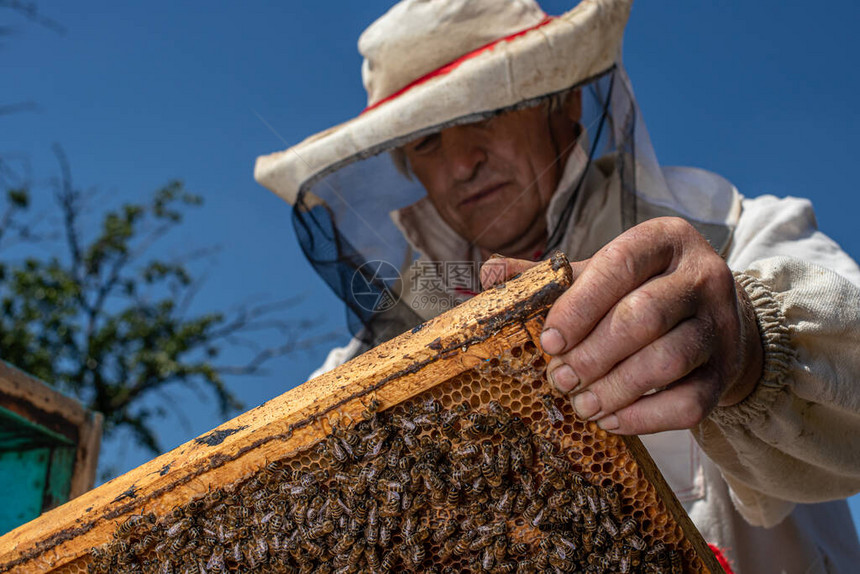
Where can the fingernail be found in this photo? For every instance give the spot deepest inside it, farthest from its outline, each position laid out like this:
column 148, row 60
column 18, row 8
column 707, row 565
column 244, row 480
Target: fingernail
column 609, row 423
column 497, row 256
column 552, row 341
column 564, row 379
column 586, row 404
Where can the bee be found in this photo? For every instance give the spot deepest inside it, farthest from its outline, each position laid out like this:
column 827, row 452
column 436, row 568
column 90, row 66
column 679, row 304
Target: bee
column 299, row 511
column 355, row 553
column 418, row 536
column 480, row 542
column 375, row 447
column 370, row 409
column 561, row 464
column 194, row 506
column 592, row 498
column 452, row 496
column 475, row 488
column 614, row 501
column 563, row 546
column 589, row 520
column 435, row 484
column 488, row 559
column 360, row 511
column 190, row 565
column 534, row 509
column 525, row 447
column 178, row 527
column 419, row 502
column 389, row 560
column 339, row 449
column 272, row 468
column 609, row 526
column 636, row 542
column 313, row 549
column 505, row 567
column 411, row 442
column 463, row 542
column 517, row 460
column 125, row 529
column 600, row 539
column 497, row 410
column 391, row 506
column 408, row 426
column 503, row 458
column 414, row 553
column 562, row 564
column 675, row 562
column 372, row 529
column 628, row 527
column 216, row 561
column 386, row 531
column 559, row 499
column 624, row 563
column 500, row 548
column 600, row 561
column 236, row 552
column 544, row 446
column 553, row 415
column 520, row 549
column 372, row 558
column 545, row 489
column 432, row 406
column 526, row 567
column 391, row 486
column 343, row 544
column 488, row 464
column 394, row 450
column 505, row 503
column 521, row 503
column 448, row 549
column 449, row 422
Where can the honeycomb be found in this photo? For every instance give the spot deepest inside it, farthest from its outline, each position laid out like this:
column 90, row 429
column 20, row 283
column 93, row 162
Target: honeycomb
column 489, row 471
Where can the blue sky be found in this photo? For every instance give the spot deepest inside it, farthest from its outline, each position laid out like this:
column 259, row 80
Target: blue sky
column 140, row 93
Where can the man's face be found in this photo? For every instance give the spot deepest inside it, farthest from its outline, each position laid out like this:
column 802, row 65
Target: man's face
column 492, row 181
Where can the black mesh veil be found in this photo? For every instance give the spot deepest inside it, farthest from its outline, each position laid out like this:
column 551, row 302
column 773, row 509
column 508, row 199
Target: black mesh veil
column 351, row 221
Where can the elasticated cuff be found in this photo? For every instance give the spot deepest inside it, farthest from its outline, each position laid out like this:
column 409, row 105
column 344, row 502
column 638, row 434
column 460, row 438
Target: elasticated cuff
column 778, row 354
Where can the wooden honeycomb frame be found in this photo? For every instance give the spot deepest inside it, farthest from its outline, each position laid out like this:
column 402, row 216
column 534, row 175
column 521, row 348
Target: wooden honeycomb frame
column 491, row 337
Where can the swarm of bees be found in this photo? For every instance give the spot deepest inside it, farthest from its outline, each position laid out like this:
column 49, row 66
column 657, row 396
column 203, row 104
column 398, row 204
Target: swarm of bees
column 420, row 489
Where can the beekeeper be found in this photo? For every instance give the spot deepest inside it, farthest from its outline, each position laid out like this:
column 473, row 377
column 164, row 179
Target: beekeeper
column 724, row 329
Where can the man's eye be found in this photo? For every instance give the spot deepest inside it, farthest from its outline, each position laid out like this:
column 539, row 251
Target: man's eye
column 425, row 144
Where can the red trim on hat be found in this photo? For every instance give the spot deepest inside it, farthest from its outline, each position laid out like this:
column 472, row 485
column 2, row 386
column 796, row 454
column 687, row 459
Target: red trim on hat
column 456, row 63
column 721, row 558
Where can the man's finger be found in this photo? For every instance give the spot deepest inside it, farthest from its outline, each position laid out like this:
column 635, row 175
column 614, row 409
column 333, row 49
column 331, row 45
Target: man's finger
column 617, row 269
column 667, row 360
column 681, row 406
column 638, row 319
column 499, row 269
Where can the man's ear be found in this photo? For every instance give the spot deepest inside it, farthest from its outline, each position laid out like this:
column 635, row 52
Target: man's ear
column 564, row 122
column 573, row 105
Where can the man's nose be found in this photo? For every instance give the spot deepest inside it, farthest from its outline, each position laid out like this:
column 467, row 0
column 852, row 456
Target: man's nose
column 464, row 154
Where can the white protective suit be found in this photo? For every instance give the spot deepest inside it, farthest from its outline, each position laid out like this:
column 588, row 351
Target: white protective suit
column 763, row 479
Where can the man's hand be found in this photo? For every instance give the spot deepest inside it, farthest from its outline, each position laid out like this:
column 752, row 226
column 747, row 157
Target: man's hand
column 653, row 333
